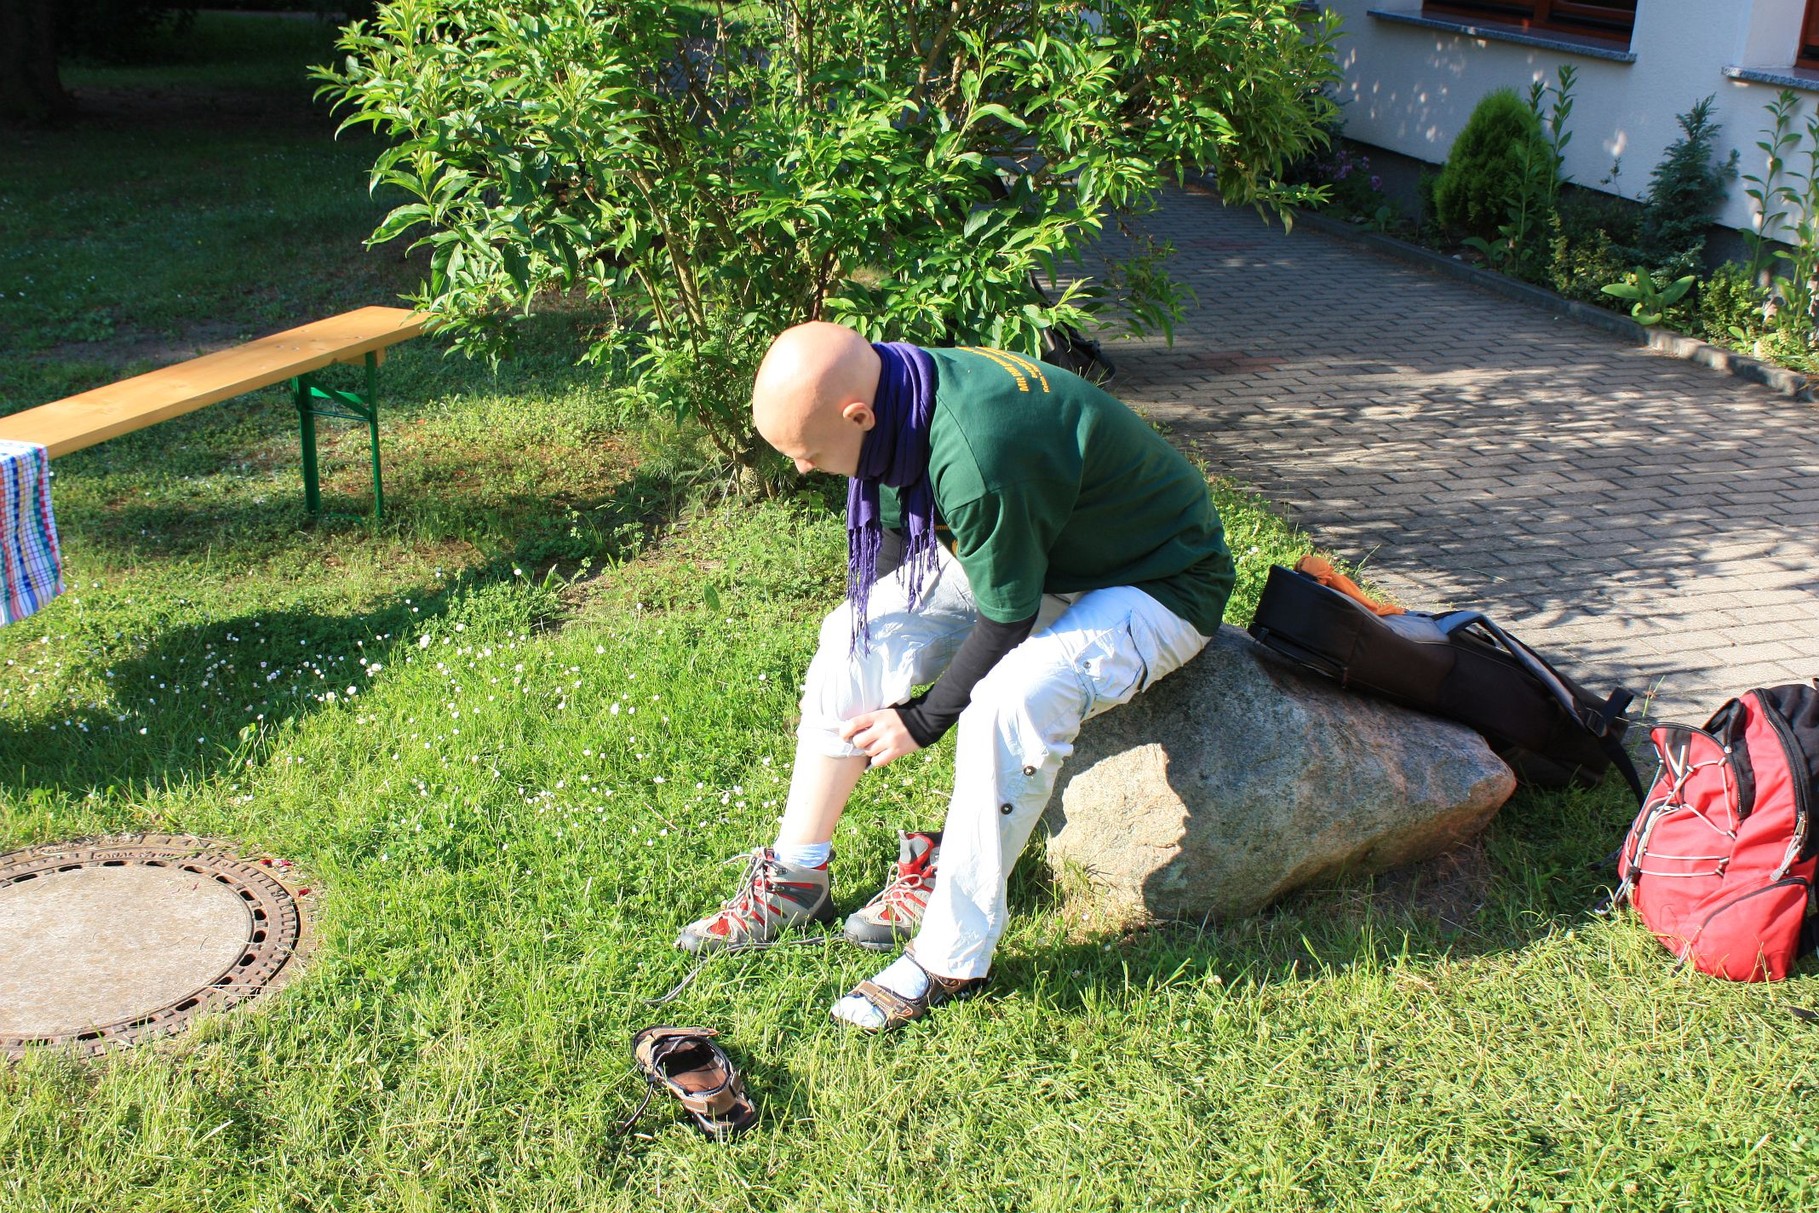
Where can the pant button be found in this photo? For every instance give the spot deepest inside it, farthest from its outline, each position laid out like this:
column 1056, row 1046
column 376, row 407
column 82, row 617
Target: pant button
column 1006, row 809
column 1029, row 770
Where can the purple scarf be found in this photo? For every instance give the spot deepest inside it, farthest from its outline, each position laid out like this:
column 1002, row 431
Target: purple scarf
column 895, row 452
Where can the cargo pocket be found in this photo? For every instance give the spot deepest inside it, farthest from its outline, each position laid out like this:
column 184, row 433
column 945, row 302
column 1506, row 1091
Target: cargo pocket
column 1111, row 669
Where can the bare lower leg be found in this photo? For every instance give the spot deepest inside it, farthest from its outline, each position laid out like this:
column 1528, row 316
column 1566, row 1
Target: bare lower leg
column 818, row 791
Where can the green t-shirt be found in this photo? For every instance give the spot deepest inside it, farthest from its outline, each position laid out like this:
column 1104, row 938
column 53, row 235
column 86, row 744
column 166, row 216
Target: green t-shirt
column 1050, row 485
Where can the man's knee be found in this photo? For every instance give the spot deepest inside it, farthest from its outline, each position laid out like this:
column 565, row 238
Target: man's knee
column 1027, row 710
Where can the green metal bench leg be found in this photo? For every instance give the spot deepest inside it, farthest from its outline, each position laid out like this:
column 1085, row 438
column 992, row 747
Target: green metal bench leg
column 306, row 427
column 314, row 402
column 372, row 428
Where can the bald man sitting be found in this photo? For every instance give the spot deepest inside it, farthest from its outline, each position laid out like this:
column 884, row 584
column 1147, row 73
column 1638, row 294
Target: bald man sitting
column 1019, row 539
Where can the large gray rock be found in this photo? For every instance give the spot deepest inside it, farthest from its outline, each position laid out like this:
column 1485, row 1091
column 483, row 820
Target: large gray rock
column 1239, row 777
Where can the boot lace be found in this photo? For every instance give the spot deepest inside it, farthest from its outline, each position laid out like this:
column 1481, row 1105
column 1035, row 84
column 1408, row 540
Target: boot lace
column 752, row 901
column 909, row 891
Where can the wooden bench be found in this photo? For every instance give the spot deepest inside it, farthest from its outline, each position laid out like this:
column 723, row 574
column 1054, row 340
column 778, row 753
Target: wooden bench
column 362, row 335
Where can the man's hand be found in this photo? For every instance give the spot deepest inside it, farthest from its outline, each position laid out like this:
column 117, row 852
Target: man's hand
column 881, row 735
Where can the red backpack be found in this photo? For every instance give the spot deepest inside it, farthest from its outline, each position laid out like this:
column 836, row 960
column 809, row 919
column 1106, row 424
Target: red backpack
column 1720, row 861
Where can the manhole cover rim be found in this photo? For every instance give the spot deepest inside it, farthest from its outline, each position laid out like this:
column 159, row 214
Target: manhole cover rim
column 272, row 912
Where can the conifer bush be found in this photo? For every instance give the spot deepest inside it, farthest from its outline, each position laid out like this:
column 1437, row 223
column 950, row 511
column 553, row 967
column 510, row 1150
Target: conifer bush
column 1684, row 196
column 1493, row 162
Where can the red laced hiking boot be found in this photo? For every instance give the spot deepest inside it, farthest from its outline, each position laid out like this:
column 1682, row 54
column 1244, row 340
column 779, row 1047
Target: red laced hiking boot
column 894, row 914
column 773, row 896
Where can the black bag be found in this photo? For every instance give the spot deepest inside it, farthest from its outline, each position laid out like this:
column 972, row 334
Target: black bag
column 1550, row 730
column 1067, row 347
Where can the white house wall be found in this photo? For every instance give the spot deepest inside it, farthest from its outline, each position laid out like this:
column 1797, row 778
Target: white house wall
column 1411, row 88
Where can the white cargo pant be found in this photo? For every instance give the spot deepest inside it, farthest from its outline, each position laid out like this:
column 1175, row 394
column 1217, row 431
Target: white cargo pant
column 1088, row 653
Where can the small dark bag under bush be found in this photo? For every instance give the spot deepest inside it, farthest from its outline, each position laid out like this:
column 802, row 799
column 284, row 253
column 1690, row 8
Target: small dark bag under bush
column 1551, row 730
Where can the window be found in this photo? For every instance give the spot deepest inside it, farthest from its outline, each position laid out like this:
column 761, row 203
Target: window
column 1809, row 37
column 1606, row 20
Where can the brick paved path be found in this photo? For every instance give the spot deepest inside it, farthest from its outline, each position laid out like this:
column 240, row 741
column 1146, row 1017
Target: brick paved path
column 1637, row 517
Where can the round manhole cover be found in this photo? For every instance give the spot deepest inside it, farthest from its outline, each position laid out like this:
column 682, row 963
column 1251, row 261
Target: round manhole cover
column 110, row 941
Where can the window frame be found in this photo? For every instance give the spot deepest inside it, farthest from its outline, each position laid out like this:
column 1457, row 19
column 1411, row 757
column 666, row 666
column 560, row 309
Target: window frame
column 1806, row 50
column 1577, row 18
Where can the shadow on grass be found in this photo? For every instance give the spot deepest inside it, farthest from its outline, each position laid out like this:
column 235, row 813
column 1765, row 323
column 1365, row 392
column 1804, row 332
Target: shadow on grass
column 1536, row 871
column 196, row 697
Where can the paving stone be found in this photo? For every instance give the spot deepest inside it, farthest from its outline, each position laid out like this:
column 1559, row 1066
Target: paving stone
column 1480, row 452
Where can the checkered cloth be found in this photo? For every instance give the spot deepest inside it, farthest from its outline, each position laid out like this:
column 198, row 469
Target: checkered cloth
column 31, row 567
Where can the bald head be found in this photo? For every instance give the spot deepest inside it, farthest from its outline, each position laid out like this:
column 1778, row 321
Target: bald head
column 813, row 396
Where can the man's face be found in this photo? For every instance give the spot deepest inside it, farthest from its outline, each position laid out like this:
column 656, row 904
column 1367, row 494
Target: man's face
column 821, row 440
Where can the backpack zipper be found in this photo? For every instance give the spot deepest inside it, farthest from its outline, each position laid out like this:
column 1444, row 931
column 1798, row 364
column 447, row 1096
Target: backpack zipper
column 1790, row 750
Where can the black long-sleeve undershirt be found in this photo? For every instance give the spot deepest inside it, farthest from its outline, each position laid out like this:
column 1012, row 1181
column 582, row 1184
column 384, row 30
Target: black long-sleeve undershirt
column 929, row 716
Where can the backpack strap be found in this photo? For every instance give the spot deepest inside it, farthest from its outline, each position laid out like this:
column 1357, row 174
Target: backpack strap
column 1598, row 721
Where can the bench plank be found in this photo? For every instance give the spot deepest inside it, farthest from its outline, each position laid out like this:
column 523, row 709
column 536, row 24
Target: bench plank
column 132, row 404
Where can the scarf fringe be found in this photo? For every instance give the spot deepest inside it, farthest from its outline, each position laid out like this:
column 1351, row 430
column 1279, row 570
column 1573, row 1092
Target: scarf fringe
column 895, row 453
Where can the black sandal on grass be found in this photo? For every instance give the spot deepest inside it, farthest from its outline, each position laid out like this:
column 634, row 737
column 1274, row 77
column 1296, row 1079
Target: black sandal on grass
column 898, row 1010
column 686, row 1063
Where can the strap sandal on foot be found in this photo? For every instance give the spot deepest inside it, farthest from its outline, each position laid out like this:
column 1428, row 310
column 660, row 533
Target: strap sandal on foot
column 898, row 1010
column 686, row 1063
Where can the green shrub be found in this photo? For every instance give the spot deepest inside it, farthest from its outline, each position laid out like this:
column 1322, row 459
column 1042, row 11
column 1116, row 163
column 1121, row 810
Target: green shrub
column 1591, row 234
column 1737, row 310
column 1425, row 183
column 1684, row 196
column 1344, row 172
column 911, row 169
column 1731, row 307
column 1491, row 170
column 1582, row 265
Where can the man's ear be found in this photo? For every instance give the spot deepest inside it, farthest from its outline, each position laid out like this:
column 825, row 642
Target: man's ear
column 860, row 413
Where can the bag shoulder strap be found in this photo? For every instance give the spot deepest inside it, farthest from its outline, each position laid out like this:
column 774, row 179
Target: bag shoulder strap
column 1596, row 720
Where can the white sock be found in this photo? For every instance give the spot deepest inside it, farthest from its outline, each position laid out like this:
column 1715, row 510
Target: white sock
column 902, row 976
column 804, row 854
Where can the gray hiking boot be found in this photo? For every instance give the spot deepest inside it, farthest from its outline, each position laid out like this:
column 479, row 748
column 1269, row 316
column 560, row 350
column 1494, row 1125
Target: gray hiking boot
column 894, row 914
column 773, row 896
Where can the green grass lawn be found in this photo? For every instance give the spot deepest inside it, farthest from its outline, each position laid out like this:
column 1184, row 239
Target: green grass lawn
column 509, row 735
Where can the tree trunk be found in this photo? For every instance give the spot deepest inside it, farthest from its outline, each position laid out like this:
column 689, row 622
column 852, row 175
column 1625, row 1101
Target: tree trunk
column 29, row 85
